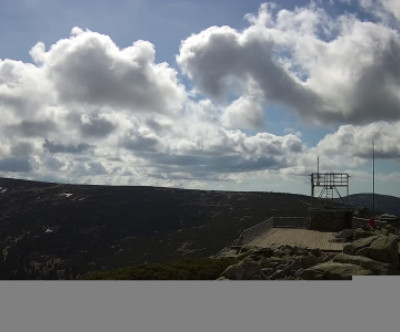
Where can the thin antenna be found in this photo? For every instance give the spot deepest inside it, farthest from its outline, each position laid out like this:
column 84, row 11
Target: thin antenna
column 318, row 165
column 373, row 178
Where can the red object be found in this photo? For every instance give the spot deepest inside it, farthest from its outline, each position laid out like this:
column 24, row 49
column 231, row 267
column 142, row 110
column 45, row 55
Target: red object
column 372, row 223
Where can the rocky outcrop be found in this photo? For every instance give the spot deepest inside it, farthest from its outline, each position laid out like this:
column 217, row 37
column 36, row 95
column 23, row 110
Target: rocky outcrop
column 333, row 271
column 371, row 253
column 274, row 263
column 366, row 263
column 355, row 246
column 385, row 249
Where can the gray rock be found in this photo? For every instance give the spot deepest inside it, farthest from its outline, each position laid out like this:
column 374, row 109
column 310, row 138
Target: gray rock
column 268, row 271
column 295, row 265
column 278, row 253
column 245, row 252
column 334, row 271
column 276, row 261
column 253, row 257
column 327, row 258
column 257, row 276
column 299, row 272
column 345, row 234
column 266, row 252
column 279, row 274
column 282, row 266
column 265, row 263
column 316, row 252
column 356, row 245
column 299, row 251
column 391, row 229
column 287, row 247
column 233, row 272
column 364, row 262
column 246, row 249
column 359, row 233
column 250, row 268
column 308, row 261
column 385, row 249
column 309, row 274
column 348, row 249
column 363, row 252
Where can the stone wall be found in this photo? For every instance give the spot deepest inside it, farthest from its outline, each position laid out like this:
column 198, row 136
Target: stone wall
column 330, row 220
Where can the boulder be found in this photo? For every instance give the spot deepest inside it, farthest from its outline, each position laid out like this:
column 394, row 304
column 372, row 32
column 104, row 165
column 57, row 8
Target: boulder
column 268, row 271
column 316, row 252
column 233, row 272
column 356, row 245
column 254, row 257
column 266, row 252
column 309, row 274
column 359, row 233
column 266, row 263
column 345, row 234
column 246, row 249
column 295, row 265
column 385, row 249
column 334, row 271
column 222, row 278
column 257, row 276
column 279, row 274
column 364, row 262
column 250, row 268
column 298, row 251
column 391, row 229
column 327, row 257
column 348, row 249
column 282, row 266
column 278, row 253
column 308, row 261
column 363, row 252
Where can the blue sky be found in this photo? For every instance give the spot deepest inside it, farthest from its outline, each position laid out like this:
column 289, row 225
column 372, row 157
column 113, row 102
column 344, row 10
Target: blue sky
column 235, row 95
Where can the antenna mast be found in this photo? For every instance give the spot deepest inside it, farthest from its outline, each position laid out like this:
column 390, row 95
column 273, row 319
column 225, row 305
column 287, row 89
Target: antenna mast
column 373, row 178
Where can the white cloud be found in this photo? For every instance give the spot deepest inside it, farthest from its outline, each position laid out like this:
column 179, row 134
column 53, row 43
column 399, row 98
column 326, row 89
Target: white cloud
column 325, row 69
column 244, row 112
column 89, row 69
column 89, row 111
column 392, row 6
column 388, row 11
column 356, row 141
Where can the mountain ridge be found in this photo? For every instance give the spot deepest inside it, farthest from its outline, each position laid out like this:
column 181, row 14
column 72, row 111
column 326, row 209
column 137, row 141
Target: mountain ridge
column 60, row 231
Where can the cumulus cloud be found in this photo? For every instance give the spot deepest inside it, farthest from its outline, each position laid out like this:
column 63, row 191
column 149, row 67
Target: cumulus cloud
column 88, row 68
column 356, row 141
column 244, row 112
column 89, row 111
column 336, row 70
column 219, row 57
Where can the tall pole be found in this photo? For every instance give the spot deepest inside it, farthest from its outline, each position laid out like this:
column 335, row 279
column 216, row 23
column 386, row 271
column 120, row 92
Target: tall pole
column 373, row 178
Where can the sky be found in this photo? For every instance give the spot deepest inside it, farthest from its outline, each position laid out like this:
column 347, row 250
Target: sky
column 217, row 95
